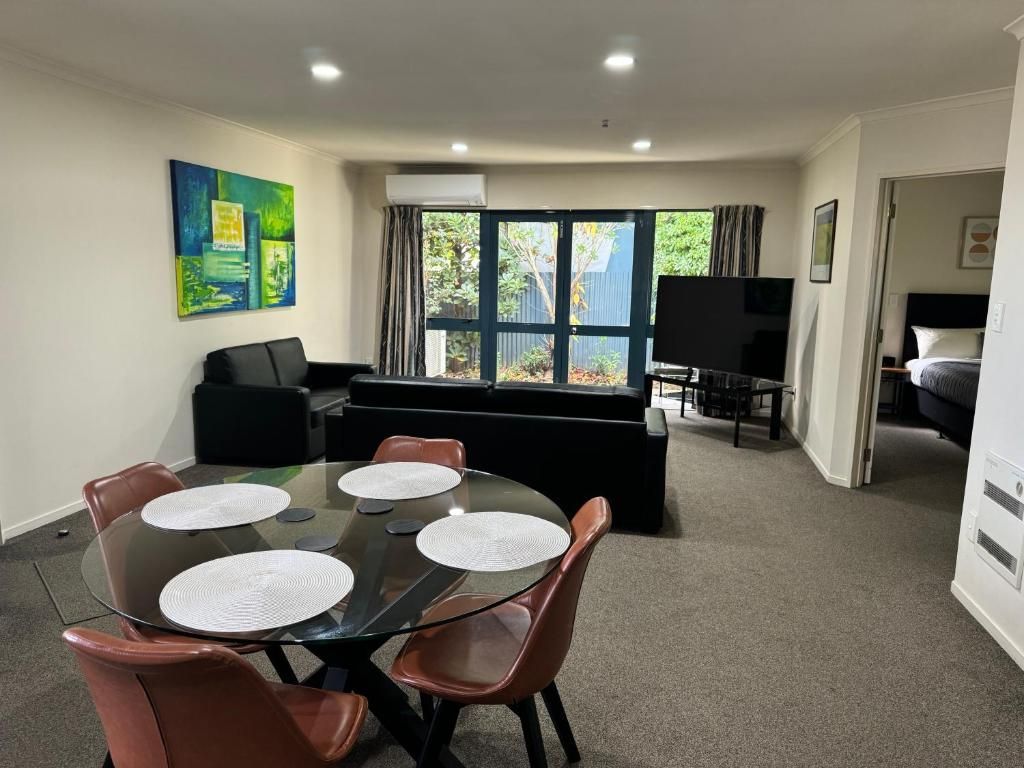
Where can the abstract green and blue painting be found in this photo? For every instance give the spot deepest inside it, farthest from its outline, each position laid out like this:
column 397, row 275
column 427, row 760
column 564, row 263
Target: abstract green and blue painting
column 234, row 240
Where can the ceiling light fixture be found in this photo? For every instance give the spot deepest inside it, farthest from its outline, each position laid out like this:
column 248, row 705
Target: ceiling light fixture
column 325, row 72
column 642, row 145
column 619, row 62
column 459, row 146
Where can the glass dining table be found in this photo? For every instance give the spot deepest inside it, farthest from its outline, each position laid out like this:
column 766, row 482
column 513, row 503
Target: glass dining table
column 128, row 564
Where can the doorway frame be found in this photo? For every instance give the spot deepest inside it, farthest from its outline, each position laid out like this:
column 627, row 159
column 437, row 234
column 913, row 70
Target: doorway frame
column 867, row 416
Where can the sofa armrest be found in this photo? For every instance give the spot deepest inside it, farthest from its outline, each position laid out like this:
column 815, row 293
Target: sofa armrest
column 654, row 470
column 258, row 425
column 323, row 375
column 657, row 426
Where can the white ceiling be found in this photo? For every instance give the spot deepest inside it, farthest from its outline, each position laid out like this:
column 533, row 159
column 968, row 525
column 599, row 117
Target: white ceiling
column 522, row 81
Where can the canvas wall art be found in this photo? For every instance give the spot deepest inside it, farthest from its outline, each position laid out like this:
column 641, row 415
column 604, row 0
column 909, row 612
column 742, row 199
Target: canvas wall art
column 234, row 240
column 978, row 242
column 824, row 243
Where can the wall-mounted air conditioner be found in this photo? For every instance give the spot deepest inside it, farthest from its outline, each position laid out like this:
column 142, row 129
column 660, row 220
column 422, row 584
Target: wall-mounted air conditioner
column 457, row 190
column 999, row 539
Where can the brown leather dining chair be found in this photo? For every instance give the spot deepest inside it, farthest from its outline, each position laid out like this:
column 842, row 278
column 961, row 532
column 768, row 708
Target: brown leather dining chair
column 451, row 453
column 505, row 655
column 110, row 497
column 204, row 706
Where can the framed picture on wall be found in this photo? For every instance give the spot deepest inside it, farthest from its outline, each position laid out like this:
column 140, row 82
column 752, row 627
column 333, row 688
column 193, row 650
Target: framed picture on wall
column 823, row 242
column 978, row 242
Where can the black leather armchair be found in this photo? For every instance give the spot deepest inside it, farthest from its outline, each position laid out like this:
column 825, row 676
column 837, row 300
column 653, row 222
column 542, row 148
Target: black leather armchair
column 570, row 442
column 264, row 404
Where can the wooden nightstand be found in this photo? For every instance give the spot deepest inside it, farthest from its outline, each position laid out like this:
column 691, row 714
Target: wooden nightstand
column 897, row 377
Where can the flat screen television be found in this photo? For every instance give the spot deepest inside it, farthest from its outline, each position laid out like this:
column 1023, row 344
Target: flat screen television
column 732, row 324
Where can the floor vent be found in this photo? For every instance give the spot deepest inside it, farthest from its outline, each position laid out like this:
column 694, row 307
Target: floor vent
column 990, row 545
column 1004, row 500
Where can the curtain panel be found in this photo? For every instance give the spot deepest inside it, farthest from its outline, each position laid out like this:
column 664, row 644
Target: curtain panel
column 402, row 304
column 736, row 240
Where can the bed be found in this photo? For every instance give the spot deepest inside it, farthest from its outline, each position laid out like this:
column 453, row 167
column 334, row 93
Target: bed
column 944, row 390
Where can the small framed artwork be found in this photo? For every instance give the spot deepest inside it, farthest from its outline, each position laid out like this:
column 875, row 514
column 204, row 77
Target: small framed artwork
column 978, row 242
column 823, row 243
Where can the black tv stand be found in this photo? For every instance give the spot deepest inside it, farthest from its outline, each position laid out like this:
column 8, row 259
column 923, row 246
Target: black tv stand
column 720, row 387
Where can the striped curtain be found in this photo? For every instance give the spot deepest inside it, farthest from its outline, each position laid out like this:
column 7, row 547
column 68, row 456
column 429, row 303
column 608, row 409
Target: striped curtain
column 736, row 240
column 403, row 317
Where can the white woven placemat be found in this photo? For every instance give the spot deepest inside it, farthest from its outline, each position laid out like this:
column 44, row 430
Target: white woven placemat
column 215, row 506
column 396, row 480
column 255, row 591
column 491, row 541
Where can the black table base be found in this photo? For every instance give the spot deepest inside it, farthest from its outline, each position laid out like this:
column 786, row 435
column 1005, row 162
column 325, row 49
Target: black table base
column 349, row 667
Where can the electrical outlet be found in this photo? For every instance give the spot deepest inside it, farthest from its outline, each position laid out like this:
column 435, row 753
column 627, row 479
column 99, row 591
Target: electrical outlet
column 996, row 323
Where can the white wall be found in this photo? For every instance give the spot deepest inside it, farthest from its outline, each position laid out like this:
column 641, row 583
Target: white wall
column 999, row 418
column 98, row 369
column 817, row 316
column 677, row 185
column 926, row 243
column 948, row 136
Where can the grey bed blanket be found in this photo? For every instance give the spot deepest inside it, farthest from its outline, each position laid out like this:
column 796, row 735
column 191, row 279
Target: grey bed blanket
column 953, row 381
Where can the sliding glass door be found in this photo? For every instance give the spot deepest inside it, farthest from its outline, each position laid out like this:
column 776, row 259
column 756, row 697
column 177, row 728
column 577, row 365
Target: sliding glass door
column 599, row 297
column 551, row 296
column 526, row 293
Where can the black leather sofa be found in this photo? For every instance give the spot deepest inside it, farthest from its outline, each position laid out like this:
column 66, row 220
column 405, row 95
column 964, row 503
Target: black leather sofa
column 264, row 404
column 570, row 442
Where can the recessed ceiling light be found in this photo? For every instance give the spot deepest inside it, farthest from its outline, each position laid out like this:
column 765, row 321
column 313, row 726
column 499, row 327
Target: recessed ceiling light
column 459, row 146
column 324, row 71
column 619, row 62
column 642, row 145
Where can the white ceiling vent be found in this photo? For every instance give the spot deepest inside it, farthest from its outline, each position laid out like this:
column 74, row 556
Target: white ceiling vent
column 1000, row 538
column 453, row 190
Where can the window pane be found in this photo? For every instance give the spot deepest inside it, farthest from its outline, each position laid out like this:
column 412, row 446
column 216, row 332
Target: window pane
column 525, row 357
column 527, row 262
column 453, row 354
column 602, row 272
column 451, row 264
column 598, row 359
column 682, row 246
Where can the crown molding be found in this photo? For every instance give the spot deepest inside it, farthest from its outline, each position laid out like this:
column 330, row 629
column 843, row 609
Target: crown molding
column 60, row 71
column 1016, row 28
column 830, row 138
column 944, row 104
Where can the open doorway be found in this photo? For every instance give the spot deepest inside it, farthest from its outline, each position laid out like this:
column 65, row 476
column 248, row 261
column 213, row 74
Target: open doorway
column 936, row 256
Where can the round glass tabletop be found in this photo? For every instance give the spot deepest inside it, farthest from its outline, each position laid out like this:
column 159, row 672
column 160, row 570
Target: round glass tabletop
column 127, row 565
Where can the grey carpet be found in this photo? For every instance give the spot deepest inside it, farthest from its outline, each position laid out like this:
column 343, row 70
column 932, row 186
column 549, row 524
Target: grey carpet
column 62, row 578
column 778, row 621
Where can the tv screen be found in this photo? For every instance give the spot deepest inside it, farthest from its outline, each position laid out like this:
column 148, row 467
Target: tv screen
column 732, row 324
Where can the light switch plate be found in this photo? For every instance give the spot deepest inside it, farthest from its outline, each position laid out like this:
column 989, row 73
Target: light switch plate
column 996, row 323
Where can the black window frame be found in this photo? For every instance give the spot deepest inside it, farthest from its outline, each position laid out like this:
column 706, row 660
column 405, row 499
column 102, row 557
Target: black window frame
column 488, row 324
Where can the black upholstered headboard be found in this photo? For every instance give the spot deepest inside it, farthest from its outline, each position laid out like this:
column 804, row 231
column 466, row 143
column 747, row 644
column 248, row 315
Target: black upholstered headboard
column 942, row 310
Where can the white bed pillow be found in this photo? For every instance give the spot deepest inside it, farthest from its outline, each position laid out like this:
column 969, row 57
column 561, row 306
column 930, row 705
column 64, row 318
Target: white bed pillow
column 959, row 343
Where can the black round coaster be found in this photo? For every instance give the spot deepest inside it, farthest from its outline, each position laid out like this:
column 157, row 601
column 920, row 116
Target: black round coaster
column 295, row 514
column 404, row 527
column 316, row 543
column 374, row 507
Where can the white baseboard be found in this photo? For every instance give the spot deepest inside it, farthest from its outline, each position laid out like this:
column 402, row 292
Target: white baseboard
column 818, row 463
column 183, row 464
column 1012, row 649
column 6, row 534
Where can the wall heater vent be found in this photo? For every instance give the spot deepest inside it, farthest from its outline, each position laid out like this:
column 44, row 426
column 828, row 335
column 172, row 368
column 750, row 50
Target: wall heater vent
column 1000, row 538
column 1008, row 561
column 1004, row 500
